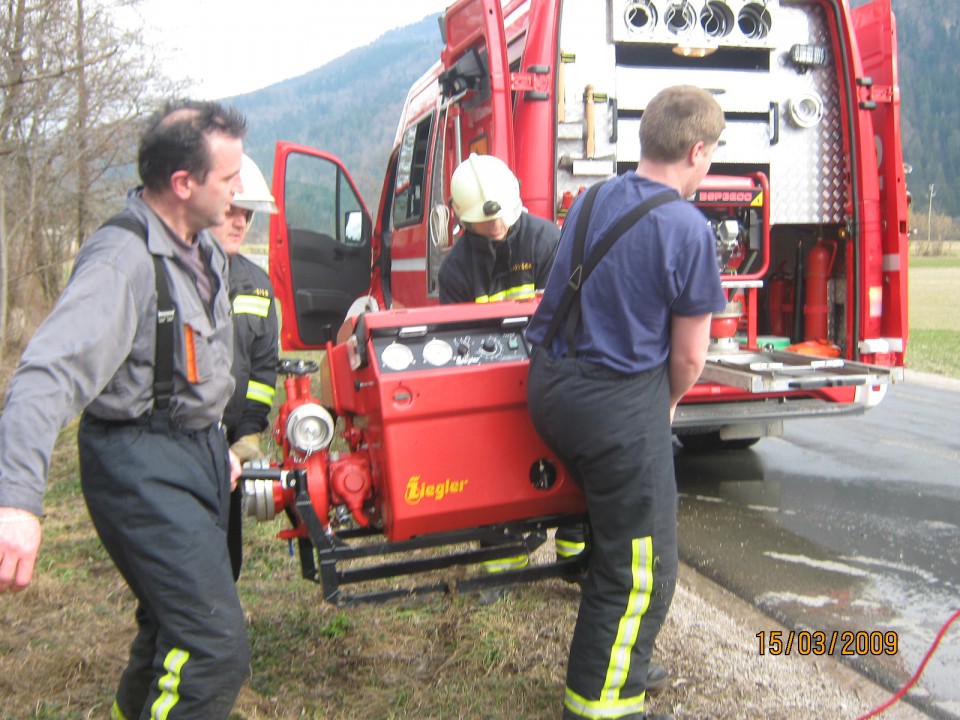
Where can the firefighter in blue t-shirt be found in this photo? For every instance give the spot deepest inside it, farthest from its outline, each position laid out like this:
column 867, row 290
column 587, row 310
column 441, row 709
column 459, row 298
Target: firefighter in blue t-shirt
column 611, row 360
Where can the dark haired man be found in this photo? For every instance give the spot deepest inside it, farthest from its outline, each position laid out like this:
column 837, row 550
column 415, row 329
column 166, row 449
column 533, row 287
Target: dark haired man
column 140, row 342
column 614, row 353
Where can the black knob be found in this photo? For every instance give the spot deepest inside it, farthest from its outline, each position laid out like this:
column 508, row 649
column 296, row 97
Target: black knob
column 489, row 345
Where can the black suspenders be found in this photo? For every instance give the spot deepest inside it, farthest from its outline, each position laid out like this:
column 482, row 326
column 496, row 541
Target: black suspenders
column 166, row 313
column 582, row 270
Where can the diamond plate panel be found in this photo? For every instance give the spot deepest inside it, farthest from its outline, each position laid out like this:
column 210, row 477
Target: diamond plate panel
column 808, row 178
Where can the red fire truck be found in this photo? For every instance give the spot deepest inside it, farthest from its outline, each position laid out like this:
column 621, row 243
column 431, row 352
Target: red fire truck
column 806, row 196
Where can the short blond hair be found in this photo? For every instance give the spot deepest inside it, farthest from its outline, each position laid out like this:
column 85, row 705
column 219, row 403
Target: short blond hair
column 675, row 120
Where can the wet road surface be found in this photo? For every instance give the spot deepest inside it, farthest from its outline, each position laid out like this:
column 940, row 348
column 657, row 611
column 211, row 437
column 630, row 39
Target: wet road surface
column 849, row 525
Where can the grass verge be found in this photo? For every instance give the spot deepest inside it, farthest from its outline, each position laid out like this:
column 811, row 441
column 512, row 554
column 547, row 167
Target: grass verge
column 934, row 343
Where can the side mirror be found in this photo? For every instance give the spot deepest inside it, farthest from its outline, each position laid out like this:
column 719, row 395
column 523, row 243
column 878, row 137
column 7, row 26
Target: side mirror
column 353, row 228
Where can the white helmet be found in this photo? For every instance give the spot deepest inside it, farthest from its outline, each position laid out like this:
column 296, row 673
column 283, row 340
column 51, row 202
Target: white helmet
column 256, row 194
column 483, row 188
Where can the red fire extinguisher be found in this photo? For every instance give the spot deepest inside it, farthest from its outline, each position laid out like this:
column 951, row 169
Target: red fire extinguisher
column 820, row 261
column 780, row 302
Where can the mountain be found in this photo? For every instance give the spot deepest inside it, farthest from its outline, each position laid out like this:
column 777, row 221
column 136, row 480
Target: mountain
column 350, row 106
column 928, row 34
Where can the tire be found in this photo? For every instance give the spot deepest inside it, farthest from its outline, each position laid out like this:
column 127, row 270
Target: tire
column 711, row 442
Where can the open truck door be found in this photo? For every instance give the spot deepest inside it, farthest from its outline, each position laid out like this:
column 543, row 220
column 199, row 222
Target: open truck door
column 477, row 73
column 876, row 31
column 462, row 105
column 320, row 245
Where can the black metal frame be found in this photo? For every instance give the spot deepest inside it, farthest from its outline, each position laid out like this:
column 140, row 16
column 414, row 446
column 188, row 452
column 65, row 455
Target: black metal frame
column 515, row 538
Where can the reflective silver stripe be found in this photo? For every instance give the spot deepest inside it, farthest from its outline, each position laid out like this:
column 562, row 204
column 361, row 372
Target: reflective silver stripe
column 260, row 392
column 511, row 563
column 569, row 548
column 409, row 265
column 637, row 603
column 251, row 305
column 169, row 684
column 606, row 709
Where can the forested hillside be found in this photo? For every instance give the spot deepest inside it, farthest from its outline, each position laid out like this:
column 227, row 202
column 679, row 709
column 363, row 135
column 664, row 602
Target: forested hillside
column 929, row 37
column 349, row 107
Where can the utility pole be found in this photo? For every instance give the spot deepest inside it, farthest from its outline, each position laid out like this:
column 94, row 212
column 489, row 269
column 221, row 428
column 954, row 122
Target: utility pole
column 930, row 214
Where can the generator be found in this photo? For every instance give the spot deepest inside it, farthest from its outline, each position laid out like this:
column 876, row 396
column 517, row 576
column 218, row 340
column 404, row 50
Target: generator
column 412, row 433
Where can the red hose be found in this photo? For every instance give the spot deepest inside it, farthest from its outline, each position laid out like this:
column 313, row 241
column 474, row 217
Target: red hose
column 912, row 681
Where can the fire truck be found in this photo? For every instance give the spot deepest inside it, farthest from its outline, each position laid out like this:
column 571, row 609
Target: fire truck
column 806, row 197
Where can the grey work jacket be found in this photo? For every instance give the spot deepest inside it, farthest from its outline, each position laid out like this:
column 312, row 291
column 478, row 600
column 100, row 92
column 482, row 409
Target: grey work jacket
column 95, row 351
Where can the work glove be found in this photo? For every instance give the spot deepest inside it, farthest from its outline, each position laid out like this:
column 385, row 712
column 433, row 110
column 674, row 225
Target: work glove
column 247, row 448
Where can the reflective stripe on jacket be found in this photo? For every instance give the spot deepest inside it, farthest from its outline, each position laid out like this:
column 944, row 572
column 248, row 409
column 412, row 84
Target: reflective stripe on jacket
column 255, row 349
column 478, row 269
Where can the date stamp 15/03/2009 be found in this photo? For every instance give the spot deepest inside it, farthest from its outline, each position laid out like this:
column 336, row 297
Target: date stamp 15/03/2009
column 827, row 642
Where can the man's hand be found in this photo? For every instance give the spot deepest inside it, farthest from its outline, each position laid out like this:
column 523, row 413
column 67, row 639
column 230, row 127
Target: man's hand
column 247, row 448
column 19, row 542
column 236, row 467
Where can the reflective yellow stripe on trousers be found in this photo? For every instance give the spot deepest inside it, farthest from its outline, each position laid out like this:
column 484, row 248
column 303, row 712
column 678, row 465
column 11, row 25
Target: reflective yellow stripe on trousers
column 169, row 684
column 569, row 548
column 610, row 704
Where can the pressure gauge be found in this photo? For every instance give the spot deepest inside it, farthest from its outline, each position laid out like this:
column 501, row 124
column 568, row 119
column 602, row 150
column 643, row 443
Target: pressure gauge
column 437, row 352
column 397, row 357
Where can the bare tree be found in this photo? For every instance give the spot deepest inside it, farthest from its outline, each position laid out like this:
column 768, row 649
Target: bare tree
column 73, row 84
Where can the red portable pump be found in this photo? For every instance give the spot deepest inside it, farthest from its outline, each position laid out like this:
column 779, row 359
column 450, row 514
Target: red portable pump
column 436, row 449
column 820, row 261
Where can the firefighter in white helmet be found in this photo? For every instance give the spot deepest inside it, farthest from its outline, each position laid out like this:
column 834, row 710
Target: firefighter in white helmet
column 255, row 333
column 504, row 252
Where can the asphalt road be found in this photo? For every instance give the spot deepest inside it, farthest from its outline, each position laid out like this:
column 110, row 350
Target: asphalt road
column 849, row 525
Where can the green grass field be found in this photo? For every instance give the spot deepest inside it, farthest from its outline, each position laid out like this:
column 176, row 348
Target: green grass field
column 934, row 344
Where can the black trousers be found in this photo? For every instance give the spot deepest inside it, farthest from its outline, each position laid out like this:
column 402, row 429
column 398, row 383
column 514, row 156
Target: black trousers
column 159, row 499
column 612, row 433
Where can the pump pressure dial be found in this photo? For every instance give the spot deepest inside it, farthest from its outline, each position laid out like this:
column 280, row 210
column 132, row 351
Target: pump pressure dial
column 437, row 352
column 397, row 357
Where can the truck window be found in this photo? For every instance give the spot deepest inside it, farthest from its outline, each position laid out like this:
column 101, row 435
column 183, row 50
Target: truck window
column 310, row 196
column 320, row 201
column 410, row 188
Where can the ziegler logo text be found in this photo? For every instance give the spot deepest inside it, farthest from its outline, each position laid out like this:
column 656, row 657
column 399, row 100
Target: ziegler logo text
column 417, row 490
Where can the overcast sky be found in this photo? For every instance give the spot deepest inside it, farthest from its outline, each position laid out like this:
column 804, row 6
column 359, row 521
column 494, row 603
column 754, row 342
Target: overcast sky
column 230, row 47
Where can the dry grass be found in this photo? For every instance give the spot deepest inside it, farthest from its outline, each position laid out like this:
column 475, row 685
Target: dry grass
column 63, row 642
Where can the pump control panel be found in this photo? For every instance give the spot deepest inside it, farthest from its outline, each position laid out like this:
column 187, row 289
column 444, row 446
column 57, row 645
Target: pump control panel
column 423, row 347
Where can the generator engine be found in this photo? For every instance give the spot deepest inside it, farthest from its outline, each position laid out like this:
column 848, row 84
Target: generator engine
column 434, row 448
column 737, row 208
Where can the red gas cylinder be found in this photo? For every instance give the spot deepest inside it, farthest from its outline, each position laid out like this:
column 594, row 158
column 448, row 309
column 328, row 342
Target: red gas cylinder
column 817, row 307
column 780, row 303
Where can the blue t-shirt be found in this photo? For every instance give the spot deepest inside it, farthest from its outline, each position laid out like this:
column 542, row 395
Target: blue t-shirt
column 664, row 265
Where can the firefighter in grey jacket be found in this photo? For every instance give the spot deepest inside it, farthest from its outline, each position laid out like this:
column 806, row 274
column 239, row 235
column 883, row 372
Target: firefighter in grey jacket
column 255, row 336
column 154, row 463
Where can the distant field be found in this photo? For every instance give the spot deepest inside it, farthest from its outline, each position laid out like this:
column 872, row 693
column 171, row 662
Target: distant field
column 934, row 344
